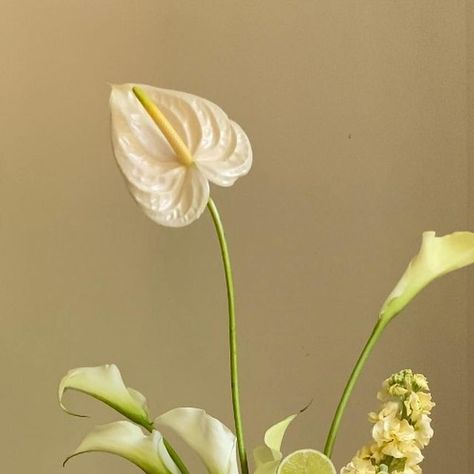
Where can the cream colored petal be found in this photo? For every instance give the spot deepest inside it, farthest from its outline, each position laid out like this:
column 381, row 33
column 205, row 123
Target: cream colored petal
column 219, row 146
column 129, row 442
column 268, row 457
column 437, row 256
column 105, row 383
column 169, row 193
column 229, row 156
column 214, row 443
column 134, row 134
column 182, row 204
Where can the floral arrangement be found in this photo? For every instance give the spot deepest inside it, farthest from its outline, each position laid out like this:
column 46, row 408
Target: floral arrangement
column 169, row 145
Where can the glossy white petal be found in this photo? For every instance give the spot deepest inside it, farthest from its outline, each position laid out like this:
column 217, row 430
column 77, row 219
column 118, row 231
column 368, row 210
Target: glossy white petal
column 155, row 175
column 181, row 205
column 226, row 154
column 214, row 443
column 129, row 442
column 437, row 256
column 268, row 457
column 105, row 383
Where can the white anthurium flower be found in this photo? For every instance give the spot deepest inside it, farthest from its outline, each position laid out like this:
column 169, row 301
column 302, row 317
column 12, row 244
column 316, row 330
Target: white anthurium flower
column 212, row 441
column 105, row 383
column 169, row 145
column 437, row 256
column 127, row 440
column 268, row 457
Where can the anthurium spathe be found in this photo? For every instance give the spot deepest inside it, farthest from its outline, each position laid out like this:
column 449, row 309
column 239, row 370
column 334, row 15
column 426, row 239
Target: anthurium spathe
column 127, row 440
column 214, row 443
column 437, row 256
column 268, row 457
column 105, row 383
column 169, row 145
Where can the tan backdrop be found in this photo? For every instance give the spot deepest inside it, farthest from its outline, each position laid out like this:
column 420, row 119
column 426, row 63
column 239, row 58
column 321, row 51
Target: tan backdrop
column 357, row 112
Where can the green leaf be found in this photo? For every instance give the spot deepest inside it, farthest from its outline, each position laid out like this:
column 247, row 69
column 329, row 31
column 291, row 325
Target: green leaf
column 267, row 457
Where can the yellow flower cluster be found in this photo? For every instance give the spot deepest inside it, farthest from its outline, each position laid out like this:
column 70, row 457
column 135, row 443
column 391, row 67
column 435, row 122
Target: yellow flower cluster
column 402, row 428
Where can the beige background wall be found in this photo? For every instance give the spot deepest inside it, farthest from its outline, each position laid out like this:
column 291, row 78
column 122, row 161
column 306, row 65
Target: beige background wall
column 357, row 111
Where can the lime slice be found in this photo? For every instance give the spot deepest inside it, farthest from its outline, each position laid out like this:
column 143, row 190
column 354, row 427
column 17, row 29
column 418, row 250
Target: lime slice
column 306, row 461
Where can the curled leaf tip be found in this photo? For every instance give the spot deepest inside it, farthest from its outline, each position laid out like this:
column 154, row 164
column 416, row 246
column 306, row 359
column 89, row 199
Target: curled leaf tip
column 302, row 410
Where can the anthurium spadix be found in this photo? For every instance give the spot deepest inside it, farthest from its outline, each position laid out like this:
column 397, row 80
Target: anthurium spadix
column 125, row 439
column 268, row 457
column 105, row 383
column 437, row 256
column 169, row 145
column 212, row 441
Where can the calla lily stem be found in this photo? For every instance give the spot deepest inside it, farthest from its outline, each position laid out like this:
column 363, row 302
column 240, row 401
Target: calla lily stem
column 175, row 457
column 374, row 337
column 171, row 451
column 234, row 377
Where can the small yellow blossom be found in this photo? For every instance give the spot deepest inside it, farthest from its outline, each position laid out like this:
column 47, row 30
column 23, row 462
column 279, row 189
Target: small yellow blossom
column 359, row 466
column 418, row 404
column 402, row 428
column 423, row 431
column 395, row 436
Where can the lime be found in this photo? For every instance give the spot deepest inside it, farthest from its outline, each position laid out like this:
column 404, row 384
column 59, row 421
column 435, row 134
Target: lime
column 306, row 461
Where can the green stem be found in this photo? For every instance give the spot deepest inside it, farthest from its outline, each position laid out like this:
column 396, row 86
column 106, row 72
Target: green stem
column 175, row 457
column 374, row 337
column 173, row 454
column 234, row 377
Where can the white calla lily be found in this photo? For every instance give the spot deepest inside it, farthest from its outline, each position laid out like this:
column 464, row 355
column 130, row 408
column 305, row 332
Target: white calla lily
column 127, row 440
column 169, row 144
column 214, row 443
column 105, row 383
column 268, row 457
column 437, row 256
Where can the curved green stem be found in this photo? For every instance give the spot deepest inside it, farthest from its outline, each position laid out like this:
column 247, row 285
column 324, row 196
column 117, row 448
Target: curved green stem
column 234, row 377
column 374, row 337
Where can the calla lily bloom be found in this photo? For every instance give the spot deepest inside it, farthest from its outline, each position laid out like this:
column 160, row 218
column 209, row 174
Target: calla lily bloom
column 105, row 384
column 214, row 443
column 127, row 440
column 268, row 457
column 437, row 256
column 169, row 145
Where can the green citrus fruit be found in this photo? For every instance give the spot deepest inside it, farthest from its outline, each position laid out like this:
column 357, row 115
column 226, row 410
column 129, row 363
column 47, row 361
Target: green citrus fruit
column 306, row 461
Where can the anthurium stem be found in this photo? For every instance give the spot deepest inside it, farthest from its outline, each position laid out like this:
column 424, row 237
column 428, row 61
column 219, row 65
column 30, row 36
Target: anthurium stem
column 234, row 376
column 374, row 337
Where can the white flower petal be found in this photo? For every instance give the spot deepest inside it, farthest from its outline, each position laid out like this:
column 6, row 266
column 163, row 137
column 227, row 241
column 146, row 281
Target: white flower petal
column 105, row 384
column 230, row 155
column 437, row 256
column 153, row 171
column 134, row 133
column 182, row 204
column 268, row 457
column 208, row 437
column 128, row 441
column 219, row 146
